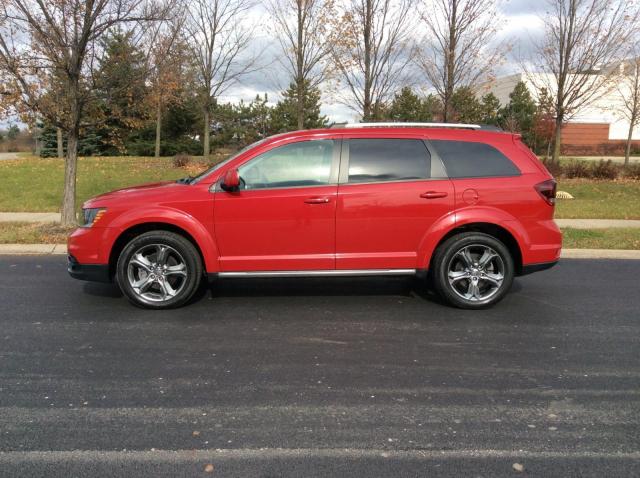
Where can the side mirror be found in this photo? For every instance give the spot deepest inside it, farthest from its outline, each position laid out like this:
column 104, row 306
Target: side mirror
column 231, row 181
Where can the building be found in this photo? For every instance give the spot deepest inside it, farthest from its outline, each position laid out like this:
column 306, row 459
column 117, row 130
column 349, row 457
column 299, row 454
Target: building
column 600, row 128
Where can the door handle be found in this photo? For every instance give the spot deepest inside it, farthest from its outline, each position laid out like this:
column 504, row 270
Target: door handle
column 317, row 200
column 433, row 195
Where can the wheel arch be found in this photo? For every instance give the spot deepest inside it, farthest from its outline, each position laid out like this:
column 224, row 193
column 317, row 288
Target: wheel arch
column 140, row 228
column 499, row 232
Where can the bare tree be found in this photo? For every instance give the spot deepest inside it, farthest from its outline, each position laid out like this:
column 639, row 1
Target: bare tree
column 582, row 38
column 219, row 38
column 456, row 52
column 59, row 39
column 372, row 51
column 166, row 66
column 628, row 88
column 303, row 27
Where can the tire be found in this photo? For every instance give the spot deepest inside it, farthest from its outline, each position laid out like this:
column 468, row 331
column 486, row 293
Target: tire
column 459, row 277
column 159, row 270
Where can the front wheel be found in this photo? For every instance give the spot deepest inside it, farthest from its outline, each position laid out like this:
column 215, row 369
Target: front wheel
column 159, row 270
column 473, row 270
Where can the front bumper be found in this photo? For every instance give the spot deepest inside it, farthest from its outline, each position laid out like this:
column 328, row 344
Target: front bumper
column 89, row 272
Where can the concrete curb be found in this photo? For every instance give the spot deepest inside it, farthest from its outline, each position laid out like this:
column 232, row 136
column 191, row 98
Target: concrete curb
column 47, row 249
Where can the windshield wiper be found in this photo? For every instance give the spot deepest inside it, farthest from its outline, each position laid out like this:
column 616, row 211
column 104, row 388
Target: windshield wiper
column 186, row 180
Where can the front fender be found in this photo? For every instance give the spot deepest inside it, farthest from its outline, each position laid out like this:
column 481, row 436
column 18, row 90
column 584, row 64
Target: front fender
column 166, row 215
column 470, row 215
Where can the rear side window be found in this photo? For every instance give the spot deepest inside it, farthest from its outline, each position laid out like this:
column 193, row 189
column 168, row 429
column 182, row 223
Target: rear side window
column 465, row 159
column 373, row 160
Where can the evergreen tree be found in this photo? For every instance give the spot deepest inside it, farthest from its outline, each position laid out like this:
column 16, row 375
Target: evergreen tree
column 490, row 106
column 465, row 106
column 121, row 92
column 285, row 114
column 407, row 106
column 518, row 114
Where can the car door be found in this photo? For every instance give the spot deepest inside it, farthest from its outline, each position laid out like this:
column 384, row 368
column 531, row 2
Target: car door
column 283, row 216
column 390, row 194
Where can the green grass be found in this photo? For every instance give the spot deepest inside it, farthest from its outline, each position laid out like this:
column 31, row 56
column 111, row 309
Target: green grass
column 614, row 238
column 33, row 233
column 599, row 199
column 35, row 184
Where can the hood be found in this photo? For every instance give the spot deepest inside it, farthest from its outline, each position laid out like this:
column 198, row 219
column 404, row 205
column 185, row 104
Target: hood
column 150, row 189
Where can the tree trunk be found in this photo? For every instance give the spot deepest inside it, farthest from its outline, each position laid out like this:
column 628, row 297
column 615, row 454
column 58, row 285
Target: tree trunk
column 207, row 150
column 557, row 141
column 60, row 143
column 158, row 128
column 68, row 209
column 366, row 106
column 300, row 68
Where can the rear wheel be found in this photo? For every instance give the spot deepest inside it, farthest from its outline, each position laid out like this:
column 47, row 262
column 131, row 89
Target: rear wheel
column 473, row 270
column 159, row 270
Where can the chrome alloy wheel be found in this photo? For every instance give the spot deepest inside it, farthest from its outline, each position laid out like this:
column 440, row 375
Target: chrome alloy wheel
column 157, row 272
column 476, row 272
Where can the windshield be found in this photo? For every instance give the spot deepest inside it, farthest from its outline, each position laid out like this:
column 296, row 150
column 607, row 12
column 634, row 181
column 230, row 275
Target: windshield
column 215, row 167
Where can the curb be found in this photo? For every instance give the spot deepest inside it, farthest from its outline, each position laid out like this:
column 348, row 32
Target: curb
column 60, row 249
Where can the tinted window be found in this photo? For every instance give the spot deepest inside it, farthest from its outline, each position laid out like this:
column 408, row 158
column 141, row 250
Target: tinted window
column 307, row 163
column 464, row 159
column 387, row 160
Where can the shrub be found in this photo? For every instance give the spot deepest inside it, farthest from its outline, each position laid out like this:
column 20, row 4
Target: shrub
column 576, row 169
column 554, row 168
column 632, row 171
column 181, row 160
column 604, row 170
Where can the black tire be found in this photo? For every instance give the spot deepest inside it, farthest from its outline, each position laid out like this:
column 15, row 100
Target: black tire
column 177, row 250
column 455, row 253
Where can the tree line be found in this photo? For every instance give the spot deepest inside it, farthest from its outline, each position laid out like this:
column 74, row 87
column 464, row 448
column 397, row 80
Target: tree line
column 147, row 76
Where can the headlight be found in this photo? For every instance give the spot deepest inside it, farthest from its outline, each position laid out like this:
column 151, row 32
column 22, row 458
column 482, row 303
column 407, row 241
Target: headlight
column 92, row 216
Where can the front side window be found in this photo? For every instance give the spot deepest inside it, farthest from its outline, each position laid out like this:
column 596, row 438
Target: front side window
column 466, row 159
column 381, row 159
column 307, row 163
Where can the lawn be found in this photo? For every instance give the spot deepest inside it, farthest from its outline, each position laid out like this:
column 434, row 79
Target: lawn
column 615, row 238
column 599, row 199
column 33, row 233
column 35, row 184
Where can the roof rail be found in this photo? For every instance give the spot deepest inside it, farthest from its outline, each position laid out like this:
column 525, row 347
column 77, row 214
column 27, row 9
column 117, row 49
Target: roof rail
column 406, row 125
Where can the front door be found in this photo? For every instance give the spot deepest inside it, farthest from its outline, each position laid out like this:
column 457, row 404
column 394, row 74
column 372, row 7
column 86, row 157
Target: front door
column 283, row 216
column 390, row 195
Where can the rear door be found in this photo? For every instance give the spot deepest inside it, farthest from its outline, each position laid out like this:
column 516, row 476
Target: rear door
column 390, row 194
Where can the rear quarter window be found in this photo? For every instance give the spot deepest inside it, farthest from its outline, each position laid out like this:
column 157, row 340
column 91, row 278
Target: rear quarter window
column 467, row 159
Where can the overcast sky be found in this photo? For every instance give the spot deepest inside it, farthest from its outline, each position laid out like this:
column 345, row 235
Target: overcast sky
column 519, row 24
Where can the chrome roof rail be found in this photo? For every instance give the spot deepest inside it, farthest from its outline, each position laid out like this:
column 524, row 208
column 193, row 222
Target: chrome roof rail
column 406, row 125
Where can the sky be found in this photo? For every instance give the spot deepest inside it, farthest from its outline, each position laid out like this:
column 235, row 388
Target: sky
column 518, row 24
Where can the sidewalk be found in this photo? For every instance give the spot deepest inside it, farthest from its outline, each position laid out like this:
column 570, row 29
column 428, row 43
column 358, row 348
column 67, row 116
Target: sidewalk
column 574, row 223
column 29, row 217
column 597, row 223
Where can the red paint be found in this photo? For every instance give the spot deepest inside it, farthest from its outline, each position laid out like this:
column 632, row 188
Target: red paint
column 343, row 226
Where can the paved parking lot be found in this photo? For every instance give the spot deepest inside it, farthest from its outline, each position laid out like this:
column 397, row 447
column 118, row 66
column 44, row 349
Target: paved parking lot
column 318, row 377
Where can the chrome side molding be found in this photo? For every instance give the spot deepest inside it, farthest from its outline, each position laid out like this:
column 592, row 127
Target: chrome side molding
column 327, row 273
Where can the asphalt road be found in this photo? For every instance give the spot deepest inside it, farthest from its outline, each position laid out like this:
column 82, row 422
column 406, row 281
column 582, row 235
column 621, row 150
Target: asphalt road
column 320, row 377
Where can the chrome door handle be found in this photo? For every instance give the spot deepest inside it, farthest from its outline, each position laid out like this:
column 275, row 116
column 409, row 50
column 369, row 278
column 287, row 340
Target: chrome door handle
column 317, row 200
column 433, row 195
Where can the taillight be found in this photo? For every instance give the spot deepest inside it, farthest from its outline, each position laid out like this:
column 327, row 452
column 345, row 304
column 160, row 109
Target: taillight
column 547, row 189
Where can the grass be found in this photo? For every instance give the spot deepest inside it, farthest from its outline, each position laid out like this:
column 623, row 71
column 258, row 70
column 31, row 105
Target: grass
column 599, row 199
column 614, row 238
column 33, row 233
column 34, row 184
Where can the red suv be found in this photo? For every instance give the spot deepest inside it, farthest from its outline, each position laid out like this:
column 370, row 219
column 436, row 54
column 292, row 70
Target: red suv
column 470, row 207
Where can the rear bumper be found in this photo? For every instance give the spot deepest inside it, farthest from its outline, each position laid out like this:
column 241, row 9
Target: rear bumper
column 89, row 272
column 541, row 266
